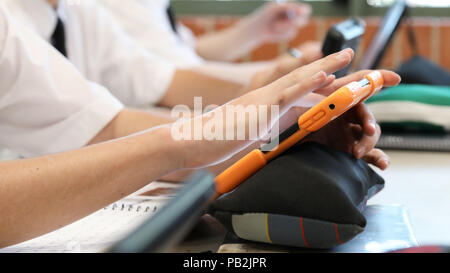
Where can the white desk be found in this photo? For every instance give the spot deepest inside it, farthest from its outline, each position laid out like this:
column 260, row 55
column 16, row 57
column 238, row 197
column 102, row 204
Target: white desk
column 421, row 182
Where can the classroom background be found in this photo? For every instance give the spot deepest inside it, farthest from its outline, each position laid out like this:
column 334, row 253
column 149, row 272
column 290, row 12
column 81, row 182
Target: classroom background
column 429, row 19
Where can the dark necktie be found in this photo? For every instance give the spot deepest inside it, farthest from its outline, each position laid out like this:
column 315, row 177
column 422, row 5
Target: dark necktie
column 172, row 19
column 58, row 39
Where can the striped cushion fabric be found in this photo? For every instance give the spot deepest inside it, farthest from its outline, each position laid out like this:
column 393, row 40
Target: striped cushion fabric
column 311, row 197
column 413, row 107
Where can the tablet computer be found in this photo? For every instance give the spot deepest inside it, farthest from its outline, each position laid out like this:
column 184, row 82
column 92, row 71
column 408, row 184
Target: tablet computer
column 346, row 34
column 378, row 46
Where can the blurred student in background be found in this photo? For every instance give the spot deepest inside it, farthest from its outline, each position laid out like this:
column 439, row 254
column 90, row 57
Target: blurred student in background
column 96, row 44
column 152, row 23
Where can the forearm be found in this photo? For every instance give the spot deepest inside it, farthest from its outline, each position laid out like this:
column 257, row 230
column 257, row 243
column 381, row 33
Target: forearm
column 182, row 175
column 241, row 73
column 226, row 45
column 43, row 194
column 187, row 84
column 128, row 122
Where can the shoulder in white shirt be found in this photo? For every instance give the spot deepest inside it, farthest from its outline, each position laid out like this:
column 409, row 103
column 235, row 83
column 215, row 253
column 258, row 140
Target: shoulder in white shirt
column 46, row 106
column 148, row 23
column 100, row 49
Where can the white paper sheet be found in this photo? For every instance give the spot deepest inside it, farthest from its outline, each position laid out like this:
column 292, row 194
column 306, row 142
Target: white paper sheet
column 101, row 229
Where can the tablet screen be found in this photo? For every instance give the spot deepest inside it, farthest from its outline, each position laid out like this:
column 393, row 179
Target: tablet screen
column 380, row 42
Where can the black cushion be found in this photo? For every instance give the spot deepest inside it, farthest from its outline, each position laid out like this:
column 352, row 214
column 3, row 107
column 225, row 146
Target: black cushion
column 419, row 70
column 311, row 196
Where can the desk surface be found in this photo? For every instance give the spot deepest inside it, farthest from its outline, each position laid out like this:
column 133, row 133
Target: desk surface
column 421, row 182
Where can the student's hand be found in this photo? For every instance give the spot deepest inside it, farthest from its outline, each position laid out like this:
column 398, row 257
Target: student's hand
column 281, row 67
column 356, row 132
column 310, row 52
column 276, row 22
column 271, row 23
column 284, row 93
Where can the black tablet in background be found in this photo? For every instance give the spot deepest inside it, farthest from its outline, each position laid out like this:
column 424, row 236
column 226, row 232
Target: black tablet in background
column 346, row 34
column 379, row 44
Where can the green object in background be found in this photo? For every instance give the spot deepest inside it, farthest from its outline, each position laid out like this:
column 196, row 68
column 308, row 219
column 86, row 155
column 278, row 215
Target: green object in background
column 412, row 108
column 427, row 94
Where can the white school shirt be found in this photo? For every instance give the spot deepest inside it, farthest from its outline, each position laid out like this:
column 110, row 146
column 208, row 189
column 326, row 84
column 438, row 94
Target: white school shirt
column 146, row 21
column 100, row 49
column 46, row 106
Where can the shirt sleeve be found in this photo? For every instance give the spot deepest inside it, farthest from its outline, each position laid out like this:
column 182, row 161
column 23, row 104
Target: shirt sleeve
column 46, row 106
column 136, row 76
column 187, row 36
column 146, row 21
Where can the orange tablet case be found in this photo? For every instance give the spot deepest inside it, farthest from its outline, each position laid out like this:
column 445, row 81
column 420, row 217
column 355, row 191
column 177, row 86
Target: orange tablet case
column 315, row 118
